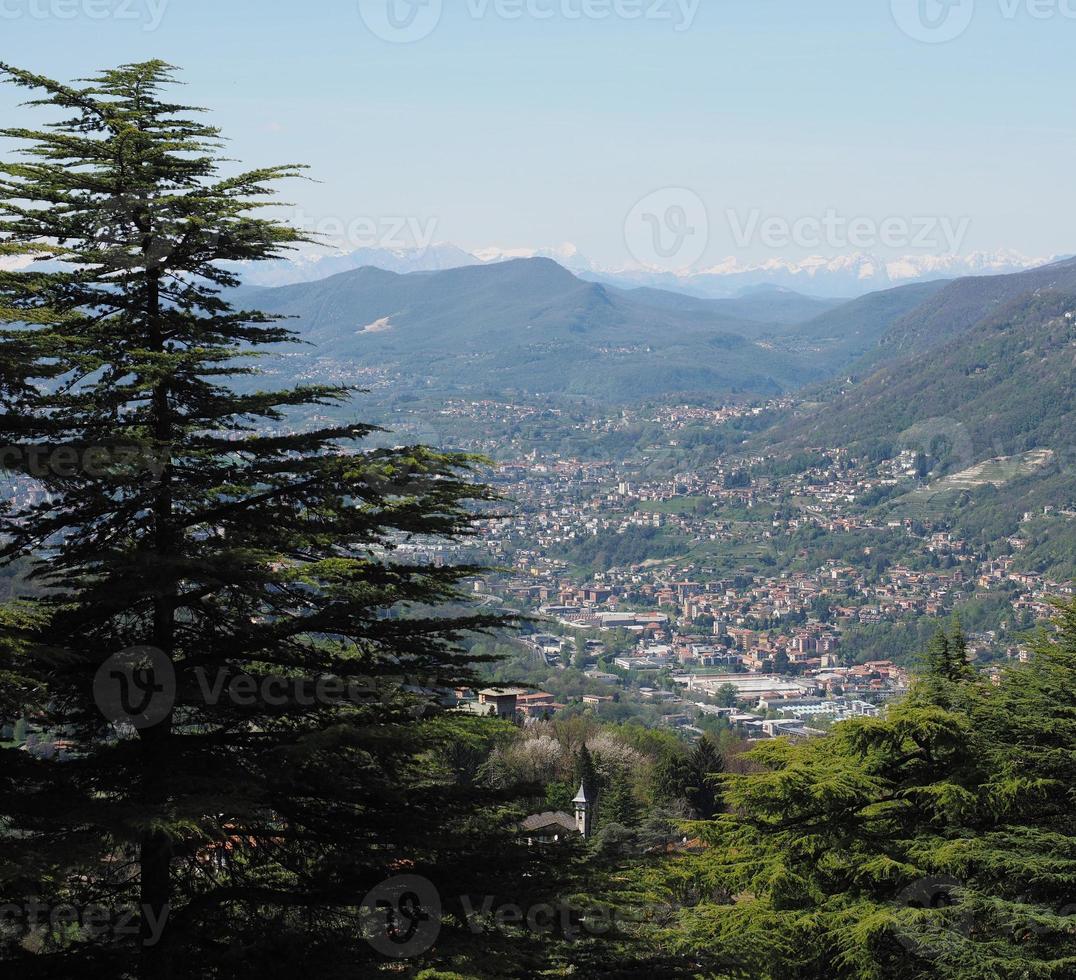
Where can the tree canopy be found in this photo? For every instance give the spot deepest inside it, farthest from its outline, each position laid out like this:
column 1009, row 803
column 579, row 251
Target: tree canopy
column 938, row 841
column 242, row 660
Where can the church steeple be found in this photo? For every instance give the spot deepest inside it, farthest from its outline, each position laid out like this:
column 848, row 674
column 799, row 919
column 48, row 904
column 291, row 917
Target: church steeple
column 584, row 809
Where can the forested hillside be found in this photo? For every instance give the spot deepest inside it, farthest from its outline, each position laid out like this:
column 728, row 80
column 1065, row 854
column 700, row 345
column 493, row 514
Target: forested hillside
column 965, row 302
column 530, row 326
column 1003, row 387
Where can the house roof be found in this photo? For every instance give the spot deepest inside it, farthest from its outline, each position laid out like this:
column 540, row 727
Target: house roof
column 541, row 821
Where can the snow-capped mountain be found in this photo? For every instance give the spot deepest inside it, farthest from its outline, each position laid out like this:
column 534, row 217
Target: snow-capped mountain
column 840, row 276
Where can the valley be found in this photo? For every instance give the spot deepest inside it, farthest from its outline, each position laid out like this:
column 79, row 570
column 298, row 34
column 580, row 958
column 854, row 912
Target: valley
column 761, row 475
column 537, row 490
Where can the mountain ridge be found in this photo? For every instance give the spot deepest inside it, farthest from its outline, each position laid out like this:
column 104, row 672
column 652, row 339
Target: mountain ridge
column 530, row 325
column 843, row 276
column 1002, row 387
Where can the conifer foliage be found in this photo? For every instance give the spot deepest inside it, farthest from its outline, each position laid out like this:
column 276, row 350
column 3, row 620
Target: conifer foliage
column 937, row 841
column 235, row 650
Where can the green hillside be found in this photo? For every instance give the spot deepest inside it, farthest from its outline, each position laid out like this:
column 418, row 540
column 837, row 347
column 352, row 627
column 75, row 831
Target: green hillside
column 860, row 336
column 1004, row 387
column 963, row 303
column 994, row 410
column 854, row 329
column 530, row 327
column 765, row 307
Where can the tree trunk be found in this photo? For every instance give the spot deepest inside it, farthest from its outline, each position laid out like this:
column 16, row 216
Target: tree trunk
column 155, row 852
column 155, row 858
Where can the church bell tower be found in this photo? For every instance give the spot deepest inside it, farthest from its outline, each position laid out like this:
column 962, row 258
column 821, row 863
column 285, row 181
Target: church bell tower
column 584, row 810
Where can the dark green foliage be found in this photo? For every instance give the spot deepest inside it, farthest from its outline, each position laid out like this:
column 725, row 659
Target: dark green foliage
column 610, row 549
column 559, row 796
column 619, row 805
column 242, row 550
column 692, row 779
column 586, row 773
column 671, row 776
column 703, row 789
column 945, row 665
column 1003, row 386
column 937, row 842
column 903, row 643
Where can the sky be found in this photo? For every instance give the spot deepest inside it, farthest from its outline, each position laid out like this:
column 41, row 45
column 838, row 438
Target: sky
column 669, row 133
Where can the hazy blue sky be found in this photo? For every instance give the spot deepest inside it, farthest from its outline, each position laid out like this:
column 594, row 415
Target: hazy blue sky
column 550, row 126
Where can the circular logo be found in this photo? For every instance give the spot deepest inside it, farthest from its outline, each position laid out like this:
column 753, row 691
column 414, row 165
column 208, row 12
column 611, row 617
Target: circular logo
column 942, row 935
column 668, row 230
column 933, row 21
column 402, row 916
column 122, row 243
column 136, row 686
column 401, row 21
column 941, row 439
column 403, row 470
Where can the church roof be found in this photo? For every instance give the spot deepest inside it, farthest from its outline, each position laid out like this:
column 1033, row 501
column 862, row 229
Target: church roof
column 548, row 820
column 581, row 796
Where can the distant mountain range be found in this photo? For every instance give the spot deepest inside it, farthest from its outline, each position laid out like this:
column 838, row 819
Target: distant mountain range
column 845, row 276
column 1001, row 376
column 842, row 276
column 981, row 378
column 977, row 373
column 528, row 326
column 765, row 305
column 312, row 266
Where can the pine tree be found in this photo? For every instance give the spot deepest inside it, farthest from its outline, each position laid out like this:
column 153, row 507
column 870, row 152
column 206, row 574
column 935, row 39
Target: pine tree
column 586, row 773
column 945, row 667
column 936, row 842
column 671, row 776
column 231, row 571
column 703, row 790
column 959, row 667
column 619, row 805
column 1018, row 874
column 816, row 869
column 938, row 656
